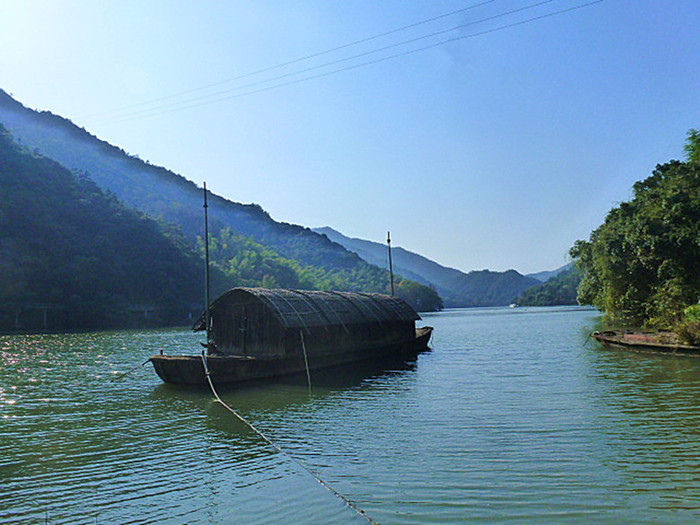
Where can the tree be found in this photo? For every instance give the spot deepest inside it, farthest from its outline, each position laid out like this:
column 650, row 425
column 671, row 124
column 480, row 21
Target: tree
column 245, row 262
column 692, row 146
column 642, row 265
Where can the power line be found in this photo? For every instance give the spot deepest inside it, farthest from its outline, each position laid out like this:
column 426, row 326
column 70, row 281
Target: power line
column 148, row 111
column 161, row 110
column 336, row 61
column 301, row 59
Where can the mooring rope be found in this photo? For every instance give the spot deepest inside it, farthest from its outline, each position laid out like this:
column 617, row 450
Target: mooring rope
column 313, row 474
column 306, row 360
column 124, row 374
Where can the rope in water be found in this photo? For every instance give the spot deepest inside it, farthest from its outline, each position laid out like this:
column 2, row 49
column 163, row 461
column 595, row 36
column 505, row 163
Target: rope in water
column 325, row 485
column 124, row 374
column 306, row 360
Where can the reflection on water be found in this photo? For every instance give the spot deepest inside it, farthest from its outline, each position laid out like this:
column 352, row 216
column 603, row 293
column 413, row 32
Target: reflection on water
column 513, row 416
column 652, row 435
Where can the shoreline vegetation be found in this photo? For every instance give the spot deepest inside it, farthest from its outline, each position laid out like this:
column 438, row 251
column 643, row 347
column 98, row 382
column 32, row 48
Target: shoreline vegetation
column 641, row 267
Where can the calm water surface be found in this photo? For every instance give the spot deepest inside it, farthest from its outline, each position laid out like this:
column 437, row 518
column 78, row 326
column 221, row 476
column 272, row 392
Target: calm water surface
column 512, row 417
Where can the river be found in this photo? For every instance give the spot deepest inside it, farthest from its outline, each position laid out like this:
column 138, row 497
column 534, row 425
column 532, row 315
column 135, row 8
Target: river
column 513, row 417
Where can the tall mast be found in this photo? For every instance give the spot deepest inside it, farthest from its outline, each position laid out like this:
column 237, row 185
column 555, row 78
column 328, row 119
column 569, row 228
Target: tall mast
column 207, row 317
column 391, row 266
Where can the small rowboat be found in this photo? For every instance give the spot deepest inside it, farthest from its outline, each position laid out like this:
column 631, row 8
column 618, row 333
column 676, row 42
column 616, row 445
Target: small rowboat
column 666, row 342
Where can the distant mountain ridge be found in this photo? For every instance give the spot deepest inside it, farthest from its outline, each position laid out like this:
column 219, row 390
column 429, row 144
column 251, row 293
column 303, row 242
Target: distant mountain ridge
column 545, row 276
column 458, row 289
column 406, row 263
column 153, row 189
column 251, row 247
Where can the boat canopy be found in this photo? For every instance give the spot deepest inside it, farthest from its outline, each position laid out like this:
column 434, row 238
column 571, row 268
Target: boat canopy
column 307, row 309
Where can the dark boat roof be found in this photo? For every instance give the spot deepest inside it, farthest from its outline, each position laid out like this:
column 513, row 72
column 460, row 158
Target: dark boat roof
column 305, row 309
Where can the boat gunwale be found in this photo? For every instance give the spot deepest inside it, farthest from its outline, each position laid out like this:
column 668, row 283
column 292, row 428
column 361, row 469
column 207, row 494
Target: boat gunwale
column 416, row 345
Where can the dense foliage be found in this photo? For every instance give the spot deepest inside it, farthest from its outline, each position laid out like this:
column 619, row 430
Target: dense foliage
column 558, row 290
column 642, row 266
column 74, row 257
column 247, row 263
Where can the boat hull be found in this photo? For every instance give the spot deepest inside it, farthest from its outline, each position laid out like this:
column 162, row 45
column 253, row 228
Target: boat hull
column 189, row 369
column 643, row 342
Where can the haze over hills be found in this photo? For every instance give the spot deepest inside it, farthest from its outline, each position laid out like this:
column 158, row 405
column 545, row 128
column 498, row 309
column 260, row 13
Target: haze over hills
column 458, row 289
column 406, row 263
column 248, row 246
column 546, row 275
column 155, row 190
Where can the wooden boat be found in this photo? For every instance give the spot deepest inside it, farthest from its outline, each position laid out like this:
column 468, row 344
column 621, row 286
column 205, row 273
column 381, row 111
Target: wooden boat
column 255, row 333
column 259, row 333
column 666, row 342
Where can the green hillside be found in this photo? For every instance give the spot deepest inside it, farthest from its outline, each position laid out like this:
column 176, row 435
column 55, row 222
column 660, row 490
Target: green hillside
column 74, row 257
column 487, row 288
column 558, row 290
column 159, row 192
column 254, row 249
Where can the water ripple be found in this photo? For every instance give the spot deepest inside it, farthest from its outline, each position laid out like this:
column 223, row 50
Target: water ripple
column 509, row 418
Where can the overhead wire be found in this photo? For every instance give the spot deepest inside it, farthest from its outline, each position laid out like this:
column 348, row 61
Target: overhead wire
column 334, row 62
column 301, row 59
column 157, row 109
column 226, row 94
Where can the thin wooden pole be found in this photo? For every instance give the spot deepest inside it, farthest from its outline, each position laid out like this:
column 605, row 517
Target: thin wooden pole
column 207, row 315
column 391, row 266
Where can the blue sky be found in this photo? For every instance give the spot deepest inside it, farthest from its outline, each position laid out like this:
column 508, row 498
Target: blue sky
column 498, row 146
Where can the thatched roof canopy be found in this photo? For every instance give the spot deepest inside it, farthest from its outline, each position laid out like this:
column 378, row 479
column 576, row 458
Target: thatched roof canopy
column 306, row 309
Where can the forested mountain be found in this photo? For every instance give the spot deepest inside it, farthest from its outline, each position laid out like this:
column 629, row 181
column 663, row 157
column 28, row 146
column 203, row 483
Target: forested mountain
column 74, row 257
column 458, row 289
column 558, row 290
column 252, row 249
column 159, row 192
column 545, row 276
column 407, row 264
column 487, row 288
